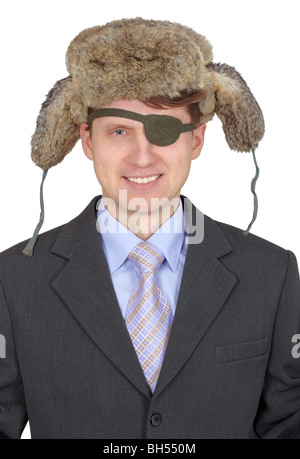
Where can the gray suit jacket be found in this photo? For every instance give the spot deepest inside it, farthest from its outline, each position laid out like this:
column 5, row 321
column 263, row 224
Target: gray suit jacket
column 70, row 367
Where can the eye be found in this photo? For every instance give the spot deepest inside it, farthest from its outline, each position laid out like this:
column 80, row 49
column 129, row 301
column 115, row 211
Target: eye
column 119, row 132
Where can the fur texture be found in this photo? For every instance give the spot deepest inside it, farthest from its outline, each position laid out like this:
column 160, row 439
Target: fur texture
column 137, row 59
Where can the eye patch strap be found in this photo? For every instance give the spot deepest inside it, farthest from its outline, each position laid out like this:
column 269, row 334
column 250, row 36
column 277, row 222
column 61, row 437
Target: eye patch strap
column 120, row 113
column 115, row 112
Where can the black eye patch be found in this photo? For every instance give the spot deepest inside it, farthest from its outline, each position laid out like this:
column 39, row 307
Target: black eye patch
column 161, row 130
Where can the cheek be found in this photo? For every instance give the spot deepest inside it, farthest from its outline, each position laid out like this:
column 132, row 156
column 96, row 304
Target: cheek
column 108, row 169
column 103, row 160
column 180, row 156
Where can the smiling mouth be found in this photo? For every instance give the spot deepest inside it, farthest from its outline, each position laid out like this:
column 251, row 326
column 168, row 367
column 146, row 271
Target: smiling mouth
column 143, row 180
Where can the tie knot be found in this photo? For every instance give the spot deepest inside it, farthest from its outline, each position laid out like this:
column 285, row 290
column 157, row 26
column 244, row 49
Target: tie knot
column 147, row 257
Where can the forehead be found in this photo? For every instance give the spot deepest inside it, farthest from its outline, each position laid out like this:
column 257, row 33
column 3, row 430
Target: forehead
column 140, row 107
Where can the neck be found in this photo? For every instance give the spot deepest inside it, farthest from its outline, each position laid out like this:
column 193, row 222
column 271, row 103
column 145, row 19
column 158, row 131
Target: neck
column 144, row 224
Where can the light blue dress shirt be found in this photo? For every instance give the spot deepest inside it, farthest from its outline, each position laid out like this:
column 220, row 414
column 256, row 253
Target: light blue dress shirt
column 118, row 241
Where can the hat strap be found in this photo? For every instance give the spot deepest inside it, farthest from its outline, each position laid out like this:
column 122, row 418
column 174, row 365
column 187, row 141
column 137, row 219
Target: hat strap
column 253, row 183
column 28, row 250
column 31, row 243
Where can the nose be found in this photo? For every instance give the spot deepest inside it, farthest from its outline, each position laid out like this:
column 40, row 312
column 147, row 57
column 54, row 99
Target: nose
column 142, row 153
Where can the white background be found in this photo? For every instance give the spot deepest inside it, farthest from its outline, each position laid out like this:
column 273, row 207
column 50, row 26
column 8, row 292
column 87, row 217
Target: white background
column 260, row 38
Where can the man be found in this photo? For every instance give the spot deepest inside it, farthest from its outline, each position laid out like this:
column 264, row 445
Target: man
column 142, row 318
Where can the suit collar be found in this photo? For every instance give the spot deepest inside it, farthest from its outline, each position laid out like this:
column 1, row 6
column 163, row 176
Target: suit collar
column 85, row 286
column 72, row 234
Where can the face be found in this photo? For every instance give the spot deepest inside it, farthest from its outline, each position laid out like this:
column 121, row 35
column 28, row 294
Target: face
column 124, row 159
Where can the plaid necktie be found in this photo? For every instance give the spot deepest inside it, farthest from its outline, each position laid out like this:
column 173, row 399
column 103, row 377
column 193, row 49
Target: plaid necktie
column 148, row 315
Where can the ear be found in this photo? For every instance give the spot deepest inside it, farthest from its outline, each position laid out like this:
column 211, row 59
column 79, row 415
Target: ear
column 198, row 140
column 85, row 135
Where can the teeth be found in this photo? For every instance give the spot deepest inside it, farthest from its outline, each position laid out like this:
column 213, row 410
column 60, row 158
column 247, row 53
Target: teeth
column 143, row 180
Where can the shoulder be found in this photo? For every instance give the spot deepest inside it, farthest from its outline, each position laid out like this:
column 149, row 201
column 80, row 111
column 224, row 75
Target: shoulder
column 13, row 257
column 69, row 234
column 223, row 238
column 250, row 241
column 256, row 252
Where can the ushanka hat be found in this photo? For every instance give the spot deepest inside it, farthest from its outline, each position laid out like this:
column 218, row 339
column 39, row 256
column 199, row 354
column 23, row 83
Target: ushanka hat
column 139, row 59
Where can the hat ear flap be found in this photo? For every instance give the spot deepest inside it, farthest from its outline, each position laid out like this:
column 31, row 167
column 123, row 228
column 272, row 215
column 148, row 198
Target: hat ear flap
column 56, row 133
column 241, row 116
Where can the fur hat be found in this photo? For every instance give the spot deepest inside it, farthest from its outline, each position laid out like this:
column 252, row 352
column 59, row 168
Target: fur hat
column 138, row 59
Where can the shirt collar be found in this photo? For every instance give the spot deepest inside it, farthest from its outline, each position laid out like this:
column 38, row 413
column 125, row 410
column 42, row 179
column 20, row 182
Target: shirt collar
column 118, row 241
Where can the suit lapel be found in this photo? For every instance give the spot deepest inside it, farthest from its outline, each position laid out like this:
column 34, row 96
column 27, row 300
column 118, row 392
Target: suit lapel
column 85, row 286
column 205, row 286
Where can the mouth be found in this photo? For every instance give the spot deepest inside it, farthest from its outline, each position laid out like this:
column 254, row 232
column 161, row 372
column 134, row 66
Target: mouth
column 143, row 180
